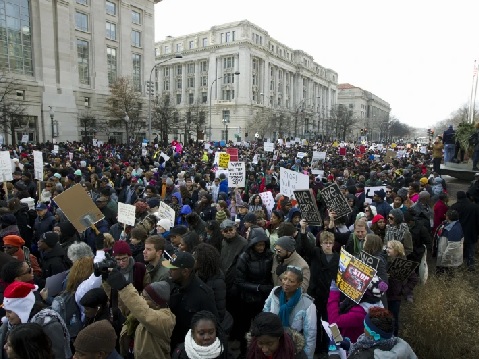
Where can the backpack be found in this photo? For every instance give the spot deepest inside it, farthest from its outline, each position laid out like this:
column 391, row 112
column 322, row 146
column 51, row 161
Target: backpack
column 473, row 140
column 66, row 305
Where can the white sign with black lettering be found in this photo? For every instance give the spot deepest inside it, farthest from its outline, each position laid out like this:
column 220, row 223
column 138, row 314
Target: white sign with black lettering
column 126, row 213
column 5, row 166
column 369, row 193
column 236, row 174
column 38, row 165
column 268, row 147
column 291, row 181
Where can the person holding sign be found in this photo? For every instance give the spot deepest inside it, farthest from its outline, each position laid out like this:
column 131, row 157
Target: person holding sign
column 398, row 289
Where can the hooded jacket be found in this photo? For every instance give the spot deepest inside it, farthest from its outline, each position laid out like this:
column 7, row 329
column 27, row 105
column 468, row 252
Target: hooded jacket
column 55, row 261
column 254, row 269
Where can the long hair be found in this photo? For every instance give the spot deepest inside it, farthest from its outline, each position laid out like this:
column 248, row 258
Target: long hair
column 208, row 261
column 29, row 341
column 373, row 245
column 79, row 272
column 216, row 238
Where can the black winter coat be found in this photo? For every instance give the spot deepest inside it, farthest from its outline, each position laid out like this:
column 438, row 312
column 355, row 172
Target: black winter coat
column 469, row 219
column 420, row 237
column 218, row 285
column 54, row 261
column 322, row 273
column 43, row 225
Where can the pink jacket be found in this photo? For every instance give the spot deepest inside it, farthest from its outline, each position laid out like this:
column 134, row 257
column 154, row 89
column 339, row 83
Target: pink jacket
column 350, row 324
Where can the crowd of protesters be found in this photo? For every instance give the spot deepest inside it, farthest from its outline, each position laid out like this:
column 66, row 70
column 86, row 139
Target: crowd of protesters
column 228, row 274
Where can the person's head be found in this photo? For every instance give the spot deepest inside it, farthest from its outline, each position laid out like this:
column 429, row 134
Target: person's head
column 287, row 229
column 18, row 301
column 395, row 217
column 95, row 341
column 188, row 242
column 12, row 243
column 79, row 250
column 181, row 267
column 379, row 221
column 175, row 234
column 424, row 197
column 395, row 248
column 41, row 209
column 163, row 225
column 372, row 244
column 121, row 251
column 360, row 228
column 157, row 294
column 154, row 248
column 243, row 208
column 28, row 341
column 326, row 240
column 267, row 332
column 452, row 215
column 250, row 220
column 101, row 202
column 138, row 235
column 291, row 280
column 296, row 218
column 284, row 247
column 379, row 195
column 205, row 328
column 17, row 271
column 379, row 324
column 150, row 191
column 228, row 228
column 48, row 240
column 414, row 187
column 79, row 272
column 398, row 201
column 95, row 302
column 208, row 260
column 276, row 218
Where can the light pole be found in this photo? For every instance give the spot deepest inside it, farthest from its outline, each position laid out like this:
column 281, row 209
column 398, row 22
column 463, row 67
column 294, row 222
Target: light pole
column 211, row 91
column 225, row 122
column 126, row 119
column 54, row 123
column 150, row 90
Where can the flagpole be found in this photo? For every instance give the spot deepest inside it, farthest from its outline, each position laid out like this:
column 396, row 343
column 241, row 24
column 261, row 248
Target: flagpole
column 472, row 100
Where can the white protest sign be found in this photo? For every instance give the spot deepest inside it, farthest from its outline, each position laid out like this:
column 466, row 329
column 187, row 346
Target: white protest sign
column 126, row 213
column 288, row 144
column 291, row 181
column 369, row 192
column 5, row 166
column 423, row 149
column 236, row 174
column 24, row 138
column 38, row 165
column 255, row 159
column 301, row 154
column 144, row 152
column 95, row 142
column 268, row 200
column 55, row 148
column 70, row 155
column 166, row 212
column 165, row 156
column 268, row 147
column 320, row 156
column 297, row 140
column 207, row 146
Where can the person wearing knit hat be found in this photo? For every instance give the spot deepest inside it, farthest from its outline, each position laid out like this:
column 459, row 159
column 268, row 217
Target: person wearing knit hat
column 286, row 255
column 19, row 304
column 220, row 216
column 96, row 340
column 377, row 218
column 134, row 272
column 396, row 229
column 424, row 181
column 165, row 224
column 95, row 303
column 54, row 257
column 13, row 246
column 156, row 321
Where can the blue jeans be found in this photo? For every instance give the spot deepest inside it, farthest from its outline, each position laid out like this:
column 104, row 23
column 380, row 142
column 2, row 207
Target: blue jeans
column 449, row 152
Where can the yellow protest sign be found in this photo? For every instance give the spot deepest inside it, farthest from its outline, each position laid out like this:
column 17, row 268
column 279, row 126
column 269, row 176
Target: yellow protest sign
column 335, row 144
column 224, row 159
column 393, row 145
column 205, row 157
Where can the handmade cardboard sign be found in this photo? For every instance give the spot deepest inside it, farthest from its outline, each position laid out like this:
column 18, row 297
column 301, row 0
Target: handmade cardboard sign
column 369, row 193
column 166, row 212
column 354, row 276
column 370, row 260
column 401, row 269
column 38, row 165
column 223, row 160
column 5, row 167
column 335, row 201
column 233, row 152
column 236, row 174
column 308, row 207
column 78, row 207
column 291, row 181
column 126, row 214
column 268, row 147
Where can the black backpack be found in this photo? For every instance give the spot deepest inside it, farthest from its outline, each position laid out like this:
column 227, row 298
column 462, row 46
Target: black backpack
column 65, row 305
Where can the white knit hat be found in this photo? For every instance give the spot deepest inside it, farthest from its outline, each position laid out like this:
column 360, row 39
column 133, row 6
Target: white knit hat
column 19, row 298
column 165, row 223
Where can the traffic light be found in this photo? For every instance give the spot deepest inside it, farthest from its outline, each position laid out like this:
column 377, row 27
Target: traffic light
column 362, row 131
column 429, row 132
column 149, row 88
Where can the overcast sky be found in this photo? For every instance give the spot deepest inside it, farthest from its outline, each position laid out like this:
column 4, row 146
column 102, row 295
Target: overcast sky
column 416, row 55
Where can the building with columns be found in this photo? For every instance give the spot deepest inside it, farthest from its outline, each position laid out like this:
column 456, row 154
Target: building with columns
column 64, row 54
column 246, row 82
column 369, row 111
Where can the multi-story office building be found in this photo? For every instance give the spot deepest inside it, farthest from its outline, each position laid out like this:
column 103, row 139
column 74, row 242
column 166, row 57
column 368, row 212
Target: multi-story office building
column 64, row 54
column 246, row 82
column 369, row 111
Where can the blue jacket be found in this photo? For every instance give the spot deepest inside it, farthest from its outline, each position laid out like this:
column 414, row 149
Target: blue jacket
column 224, row 186
column 43, row 225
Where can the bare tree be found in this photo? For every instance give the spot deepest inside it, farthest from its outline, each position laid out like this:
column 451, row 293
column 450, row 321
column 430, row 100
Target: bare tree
column 195, row 119
column 125, row 100
column 12, row 110
column 89, row 126
column 165, row 118
column 343, row 121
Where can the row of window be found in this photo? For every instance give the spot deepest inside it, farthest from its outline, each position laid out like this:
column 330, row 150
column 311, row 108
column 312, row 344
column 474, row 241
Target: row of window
column 225, row 37
column 111, row 9
column 227, row 95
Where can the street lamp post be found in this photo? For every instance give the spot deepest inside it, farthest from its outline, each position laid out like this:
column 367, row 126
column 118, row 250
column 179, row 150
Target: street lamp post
column 225, row 122
column 126, row 119
column 52, row 118
column 211, row 94
column 150, row 90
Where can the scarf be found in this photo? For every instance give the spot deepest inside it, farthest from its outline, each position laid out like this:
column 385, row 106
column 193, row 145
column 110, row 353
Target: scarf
column 128, row 271
column 365, row 342
column 396, row 233
column 285, row 307
column 286, row 349
column 195, row 351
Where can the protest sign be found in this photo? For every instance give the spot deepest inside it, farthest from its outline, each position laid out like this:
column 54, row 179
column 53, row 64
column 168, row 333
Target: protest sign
column 223, row 160
column 354, row 276
column 207, row 146
column 301, row 154
column 423, row 149
column 255, row 159
column 268, row 147
column 390, row 155
column 370, row 260
column 144, row 152
column 236, row 174
column 233, row 152
column 24, row 139
column 38, row 165
column 126, row 214
column 369, row 193
column 166, row 212
column 320, row 156
column 335, row 201
column 268, row 200
column 5, row 166
column 78, row 207
column 291, row 181
column 308, row 207
column 401, row 269
column 219, row 172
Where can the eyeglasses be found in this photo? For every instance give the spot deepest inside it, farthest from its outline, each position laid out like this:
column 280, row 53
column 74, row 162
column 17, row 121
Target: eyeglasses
column 390, row 217
column 389, row 191
column 122, row 259
column 226, row 230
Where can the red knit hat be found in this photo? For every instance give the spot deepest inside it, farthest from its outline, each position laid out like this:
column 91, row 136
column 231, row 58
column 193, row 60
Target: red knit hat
column 377, row 217
column 121, row 248
column 18, row 297
column 13, row 240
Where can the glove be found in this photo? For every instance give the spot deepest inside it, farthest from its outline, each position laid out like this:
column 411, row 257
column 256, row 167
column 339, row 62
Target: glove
column 265, row 288
column 345, row 344
column 116, row 280
column 99, row 241
column 333, row 286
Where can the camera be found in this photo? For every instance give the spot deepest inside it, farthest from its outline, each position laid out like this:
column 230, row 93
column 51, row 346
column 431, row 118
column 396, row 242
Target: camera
column 103, row 266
